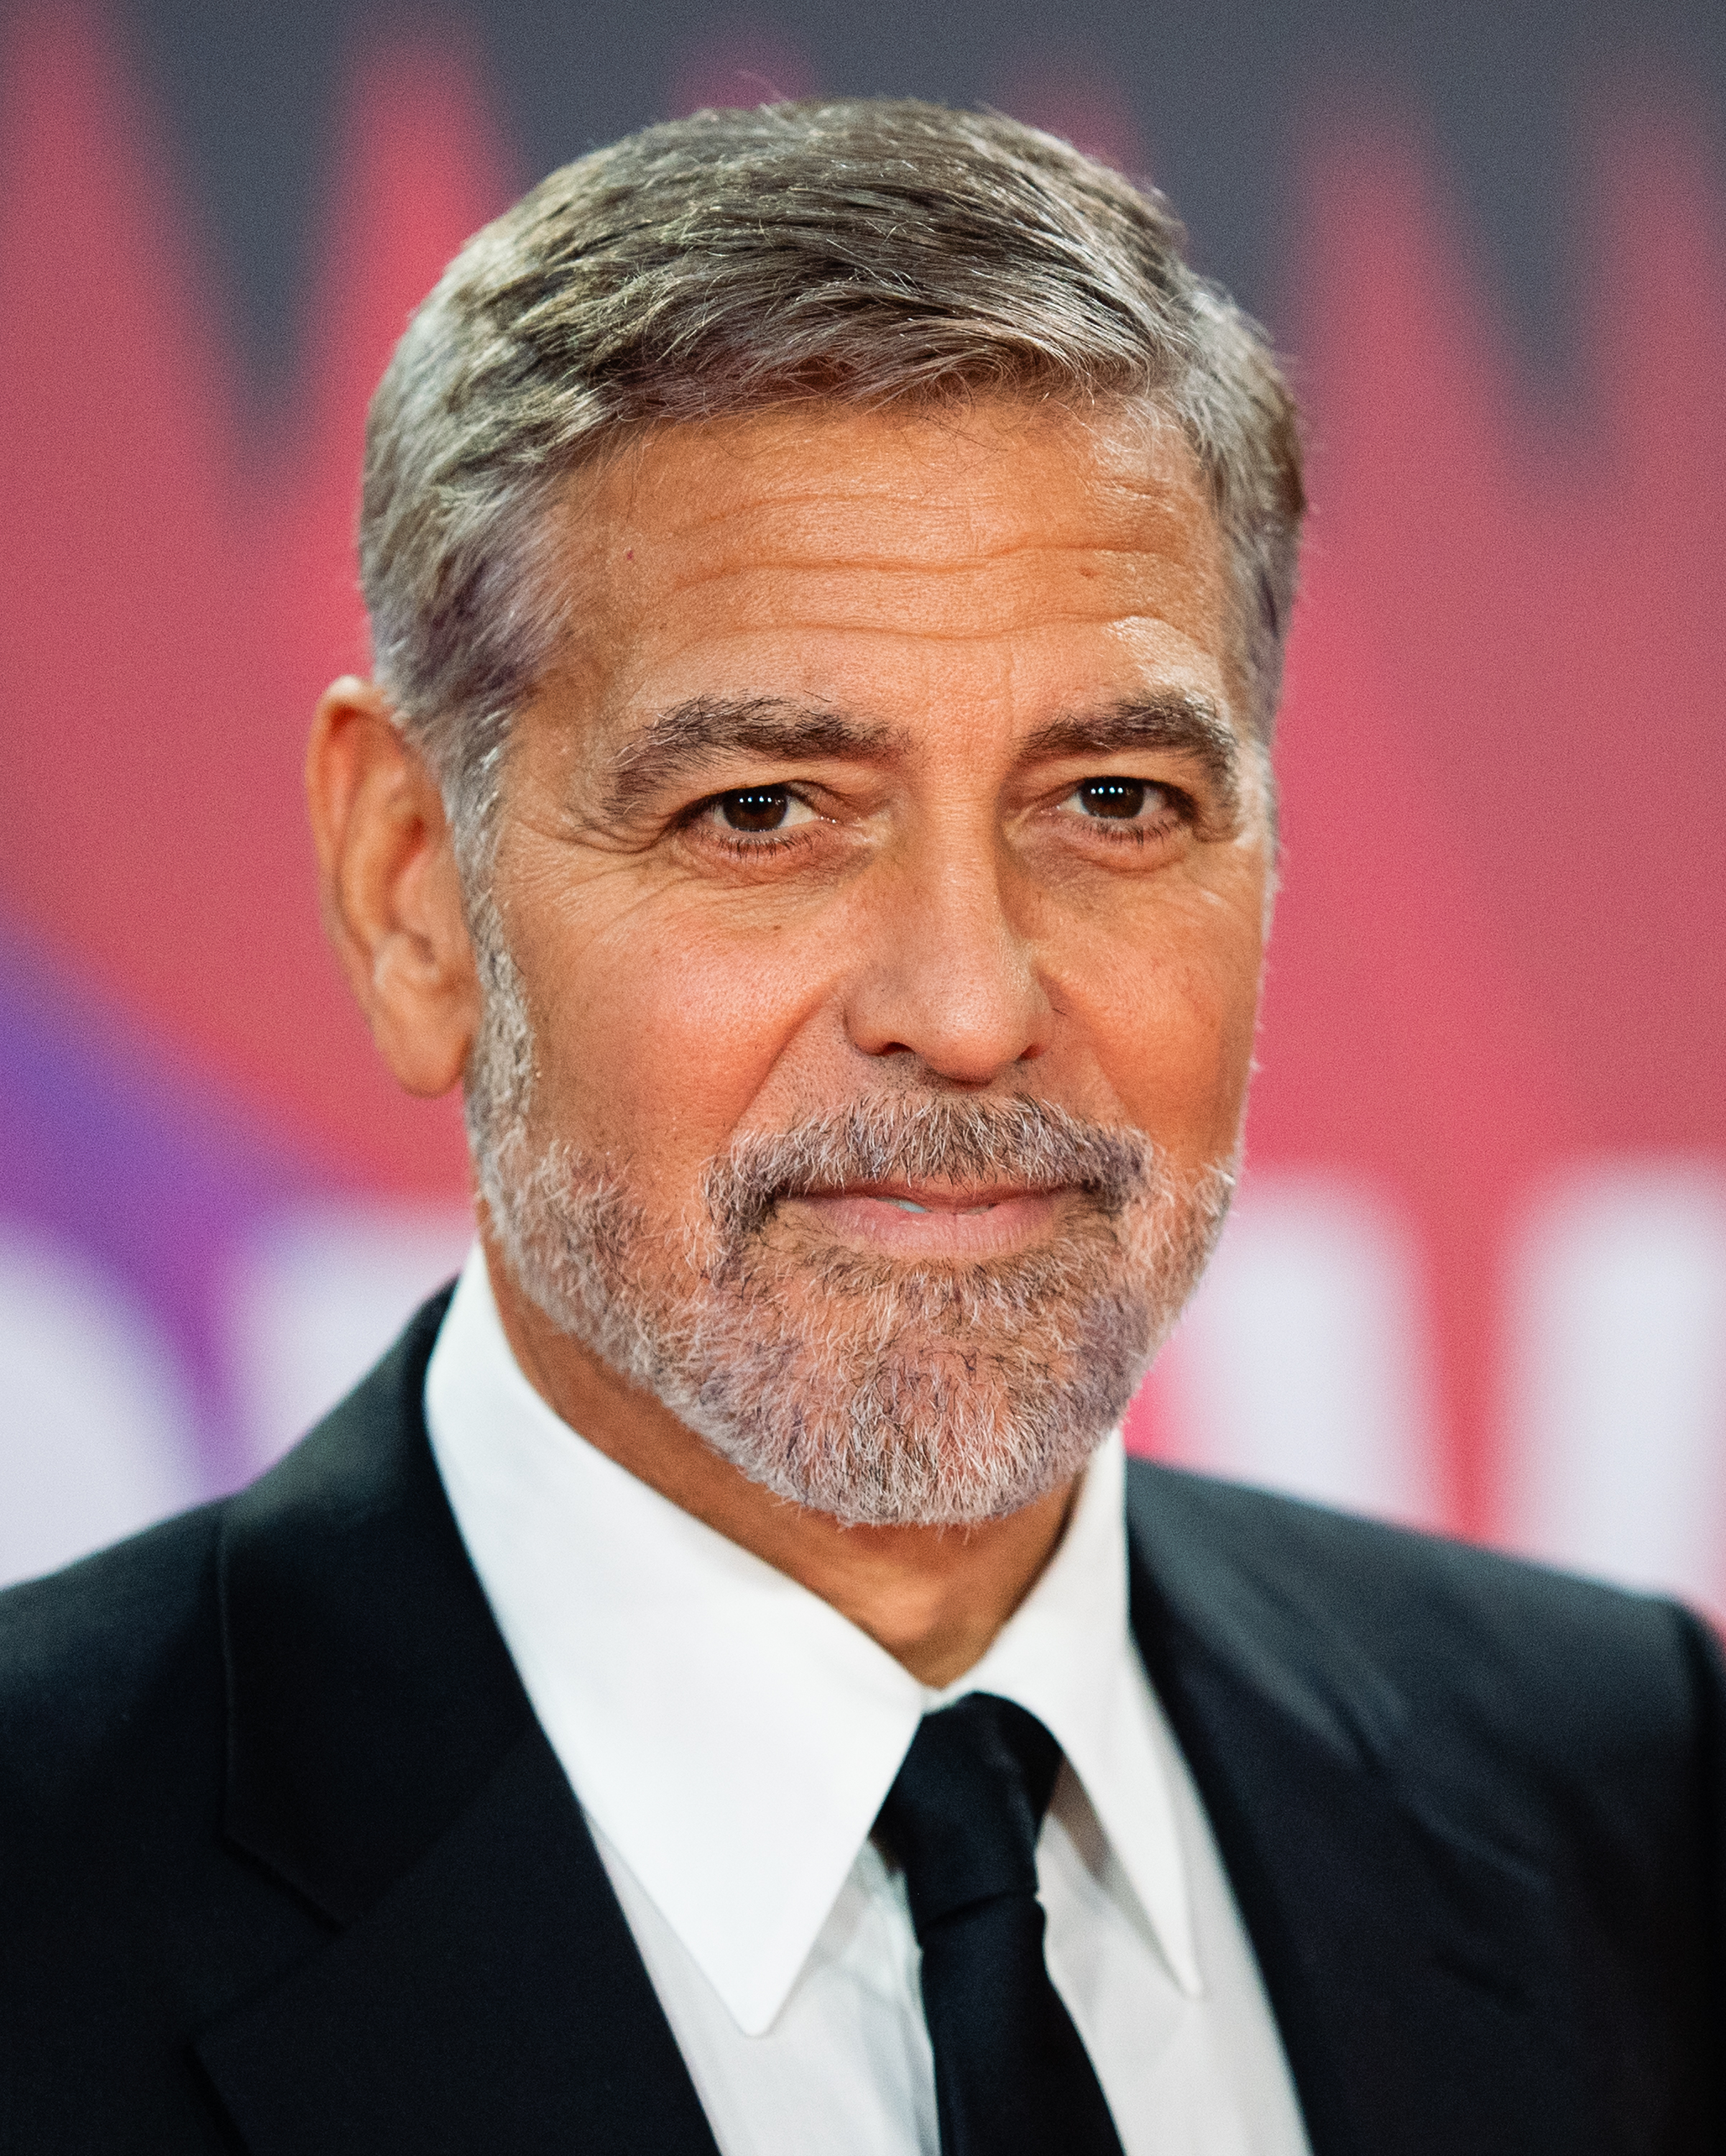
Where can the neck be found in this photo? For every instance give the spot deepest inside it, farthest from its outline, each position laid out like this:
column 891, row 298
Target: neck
column 932, row 1597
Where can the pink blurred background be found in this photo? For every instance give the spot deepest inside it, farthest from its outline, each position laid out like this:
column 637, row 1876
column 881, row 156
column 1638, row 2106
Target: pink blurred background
column 1476, row 1277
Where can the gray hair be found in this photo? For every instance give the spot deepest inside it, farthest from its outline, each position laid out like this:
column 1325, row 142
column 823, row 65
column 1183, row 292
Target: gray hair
column 866, row 252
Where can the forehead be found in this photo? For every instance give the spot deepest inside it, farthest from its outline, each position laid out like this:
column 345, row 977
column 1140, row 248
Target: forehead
column 839, row 550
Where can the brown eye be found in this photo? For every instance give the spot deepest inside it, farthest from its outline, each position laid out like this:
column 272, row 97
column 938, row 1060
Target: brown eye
column 1119, row 799
column 755, row 808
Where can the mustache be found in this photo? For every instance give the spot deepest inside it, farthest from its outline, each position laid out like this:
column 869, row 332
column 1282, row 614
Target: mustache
column 1032, row 1144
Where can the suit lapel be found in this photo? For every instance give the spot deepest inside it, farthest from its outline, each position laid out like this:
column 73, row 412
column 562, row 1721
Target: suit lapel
column 1410, row 1965
column 493, row 1999
column 481, row 1989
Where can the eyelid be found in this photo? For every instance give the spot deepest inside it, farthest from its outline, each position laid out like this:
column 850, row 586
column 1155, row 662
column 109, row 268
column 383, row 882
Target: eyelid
column 707, row 802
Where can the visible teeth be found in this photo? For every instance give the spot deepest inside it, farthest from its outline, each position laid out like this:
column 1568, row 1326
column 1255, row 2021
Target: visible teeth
column 905, row 1205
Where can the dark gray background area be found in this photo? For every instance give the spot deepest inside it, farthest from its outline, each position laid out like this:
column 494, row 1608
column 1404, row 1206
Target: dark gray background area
column 1223, row 93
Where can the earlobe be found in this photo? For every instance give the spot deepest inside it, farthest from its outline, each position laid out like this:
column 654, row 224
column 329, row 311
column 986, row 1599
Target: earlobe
column 391, row 893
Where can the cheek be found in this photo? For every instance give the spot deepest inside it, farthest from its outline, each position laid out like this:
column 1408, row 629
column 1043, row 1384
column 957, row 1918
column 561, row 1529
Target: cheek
column 655, row 1038
column 1174, row 1040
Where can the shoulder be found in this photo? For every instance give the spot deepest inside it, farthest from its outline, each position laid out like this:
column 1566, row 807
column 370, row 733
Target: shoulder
column 1437, row 1640
column 1380, row 1575
column 113, row 1672
column 156, row 1701
column 95, row 1660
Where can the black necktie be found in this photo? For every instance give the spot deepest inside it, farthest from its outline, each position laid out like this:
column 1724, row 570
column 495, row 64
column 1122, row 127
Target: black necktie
column 1011, row 2078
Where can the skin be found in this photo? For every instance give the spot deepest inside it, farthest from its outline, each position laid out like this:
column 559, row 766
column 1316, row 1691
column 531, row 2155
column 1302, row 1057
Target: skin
column 961, row 604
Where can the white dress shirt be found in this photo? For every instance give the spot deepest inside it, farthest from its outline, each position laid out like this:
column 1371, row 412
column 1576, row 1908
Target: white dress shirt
column 730, row 1738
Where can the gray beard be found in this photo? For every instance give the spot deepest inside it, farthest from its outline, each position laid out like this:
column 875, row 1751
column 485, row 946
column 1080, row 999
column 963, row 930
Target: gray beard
column 879, row 1391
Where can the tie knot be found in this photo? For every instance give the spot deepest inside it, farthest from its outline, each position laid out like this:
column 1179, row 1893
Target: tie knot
column 964, row 1813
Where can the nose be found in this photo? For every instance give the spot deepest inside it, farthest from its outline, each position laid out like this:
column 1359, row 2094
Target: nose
column 949, row 976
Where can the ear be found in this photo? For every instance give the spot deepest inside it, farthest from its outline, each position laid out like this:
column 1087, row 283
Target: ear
column 391, row 900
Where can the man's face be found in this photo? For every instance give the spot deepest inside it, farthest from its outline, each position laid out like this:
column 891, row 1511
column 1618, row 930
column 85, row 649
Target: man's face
column 882, row 875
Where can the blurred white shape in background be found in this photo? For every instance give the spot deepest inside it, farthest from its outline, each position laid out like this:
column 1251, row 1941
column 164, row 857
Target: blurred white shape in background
column 1305, row 1365
column 1616, row 1457
column 96, row 1421
column 317, row 1295
column 1304, row 1362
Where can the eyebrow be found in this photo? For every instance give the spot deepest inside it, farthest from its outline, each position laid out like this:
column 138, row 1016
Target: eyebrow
column 691, row 734
column 680, row 740
column 1178, row 720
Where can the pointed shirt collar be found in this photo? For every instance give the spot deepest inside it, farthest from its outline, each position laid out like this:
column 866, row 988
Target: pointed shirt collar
column 731, row 1734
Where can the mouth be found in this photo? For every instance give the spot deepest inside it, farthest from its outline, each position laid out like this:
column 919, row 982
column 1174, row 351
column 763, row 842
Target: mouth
column 932, row 1220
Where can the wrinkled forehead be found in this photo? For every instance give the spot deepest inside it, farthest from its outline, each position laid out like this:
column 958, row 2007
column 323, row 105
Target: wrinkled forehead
column 999, row 521
column 962, row 464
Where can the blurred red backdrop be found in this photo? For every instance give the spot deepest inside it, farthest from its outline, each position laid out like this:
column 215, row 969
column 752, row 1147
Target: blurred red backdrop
column 1497, row 974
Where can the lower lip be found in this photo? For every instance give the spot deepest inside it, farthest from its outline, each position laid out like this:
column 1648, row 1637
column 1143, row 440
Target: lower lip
column 940, row 1232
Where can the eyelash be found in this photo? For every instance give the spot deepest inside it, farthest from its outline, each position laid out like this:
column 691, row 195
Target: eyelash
column 743, row 847
column 1177, row 809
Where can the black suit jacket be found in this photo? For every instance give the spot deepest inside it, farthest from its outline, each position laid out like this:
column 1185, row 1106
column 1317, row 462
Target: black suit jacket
column 286, row 1865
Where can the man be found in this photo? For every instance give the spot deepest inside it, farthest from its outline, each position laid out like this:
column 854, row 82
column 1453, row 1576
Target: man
column 718, row 1684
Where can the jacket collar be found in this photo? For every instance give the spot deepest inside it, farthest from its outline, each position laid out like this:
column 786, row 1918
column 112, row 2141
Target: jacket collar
column 481, row 1989
column 1410, row 1959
